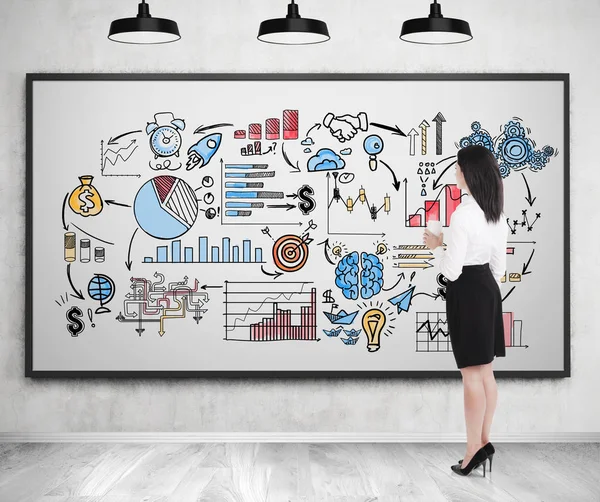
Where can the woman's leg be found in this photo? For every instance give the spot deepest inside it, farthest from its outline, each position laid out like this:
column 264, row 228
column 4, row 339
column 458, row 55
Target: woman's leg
column 474, row 397
column 491, row 398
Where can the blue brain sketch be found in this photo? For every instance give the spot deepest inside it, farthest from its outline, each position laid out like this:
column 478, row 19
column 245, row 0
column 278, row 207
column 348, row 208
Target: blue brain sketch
column 346, row 275
column 371, row 275
column 513, row 149
column 325, row 160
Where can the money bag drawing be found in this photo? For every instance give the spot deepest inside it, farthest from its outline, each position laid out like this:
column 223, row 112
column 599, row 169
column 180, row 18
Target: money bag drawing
column 85, row 199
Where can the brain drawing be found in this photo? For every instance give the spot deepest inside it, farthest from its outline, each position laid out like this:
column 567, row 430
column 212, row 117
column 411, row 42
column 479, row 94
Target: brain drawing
column 371, row 276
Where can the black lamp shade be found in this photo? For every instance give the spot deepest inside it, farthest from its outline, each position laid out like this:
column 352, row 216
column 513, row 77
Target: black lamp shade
column 436, row 29
column 143, row 29
column 293, row 29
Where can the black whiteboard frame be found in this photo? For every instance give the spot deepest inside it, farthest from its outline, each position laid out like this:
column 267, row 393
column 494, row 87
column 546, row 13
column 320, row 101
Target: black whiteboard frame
column 33, row 77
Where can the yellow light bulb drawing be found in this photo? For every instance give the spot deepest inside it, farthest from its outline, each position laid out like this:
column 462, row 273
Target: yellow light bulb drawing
column 373, row 322
column 337, row 251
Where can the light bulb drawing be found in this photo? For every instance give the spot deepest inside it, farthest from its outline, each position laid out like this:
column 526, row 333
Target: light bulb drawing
column 373, row 145
column 373, row 322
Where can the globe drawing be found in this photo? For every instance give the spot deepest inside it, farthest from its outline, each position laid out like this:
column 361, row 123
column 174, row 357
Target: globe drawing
column 102, row 289
column 165, row 207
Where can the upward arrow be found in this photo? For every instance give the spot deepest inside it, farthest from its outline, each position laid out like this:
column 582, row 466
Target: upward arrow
column 438, row 119
column 413, row 134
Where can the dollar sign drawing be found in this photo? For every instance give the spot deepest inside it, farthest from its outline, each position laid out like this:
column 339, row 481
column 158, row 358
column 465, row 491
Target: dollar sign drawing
column 75, row 325
column 307, row 203
column 86, row 203
column 443, row 282
column 327, row 298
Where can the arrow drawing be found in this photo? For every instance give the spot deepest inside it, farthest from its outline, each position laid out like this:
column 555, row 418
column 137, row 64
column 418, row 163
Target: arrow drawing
column 413, row 133
column 529, row 200
column 396, row 131
column 439, row 120
column 424, row 125
column 113, row 141
column 78, row 294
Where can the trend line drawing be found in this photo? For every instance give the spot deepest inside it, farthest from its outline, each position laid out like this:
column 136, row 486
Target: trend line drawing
column 110, row 156
column 432, row 333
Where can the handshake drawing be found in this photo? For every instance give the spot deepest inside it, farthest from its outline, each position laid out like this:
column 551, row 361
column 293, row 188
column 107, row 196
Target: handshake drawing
column 345, row 127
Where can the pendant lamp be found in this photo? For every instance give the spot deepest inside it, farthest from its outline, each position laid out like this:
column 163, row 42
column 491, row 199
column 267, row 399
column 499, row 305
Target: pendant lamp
column 143, row 29
column 435, row 29
column 293, row 29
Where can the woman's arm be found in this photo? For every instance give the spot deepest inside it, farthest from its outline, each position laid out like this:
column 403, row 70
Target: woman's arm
column 498, row 257
column 450, row 262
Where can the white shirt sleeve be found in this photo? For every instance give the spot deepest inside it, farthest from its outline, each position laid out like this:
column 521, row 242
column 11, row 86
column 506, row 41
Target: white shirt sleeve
column 498, row 257
column 450, row 262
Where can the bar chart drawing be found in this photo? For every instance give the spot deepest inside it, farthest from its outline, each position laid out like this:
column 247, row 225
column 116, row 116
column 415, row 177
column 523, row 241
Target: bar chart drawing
column 431, row 209
column 206, row 253
column 246, row 197
column 268, row 312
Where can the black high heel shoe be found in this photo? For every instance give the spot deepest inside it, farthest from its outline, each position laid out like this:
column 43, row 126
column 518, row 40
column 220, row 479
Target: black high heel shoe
column 490, row 450
column 478, row 459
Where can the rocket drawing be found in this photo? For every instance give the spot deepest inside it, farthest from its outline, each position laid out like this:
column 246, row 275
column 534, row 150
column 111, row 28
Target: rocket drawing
column 201, row 153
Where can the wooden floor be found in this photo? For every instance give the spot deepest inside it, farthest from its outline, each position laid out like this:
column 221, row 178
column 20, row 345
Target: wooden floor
column 86, row 472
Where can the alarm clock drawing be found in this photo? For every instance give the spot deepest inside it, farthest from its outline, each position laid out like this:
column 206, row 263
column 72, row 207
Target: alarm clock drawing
column 165, row 138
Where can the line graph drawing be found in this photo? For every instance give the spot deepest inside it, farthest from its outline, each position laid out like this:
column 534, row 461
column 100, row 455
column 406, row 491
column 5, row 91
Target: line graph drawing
column 256, row 311
column 112, row 156
column 432, row 333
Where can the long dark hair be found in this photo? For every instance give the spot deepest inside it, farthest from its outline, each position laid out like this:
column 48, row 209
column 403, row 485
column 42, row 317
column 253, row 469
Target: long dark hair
column 482, row 175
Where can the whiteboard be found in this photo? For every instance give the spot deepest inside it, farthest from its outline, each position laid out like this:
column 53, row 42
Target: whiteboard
column 189, row 225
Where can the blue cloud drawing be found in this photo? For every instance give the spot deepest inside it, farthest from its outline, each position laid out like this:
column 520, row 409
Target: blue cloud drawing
column 325, row 160
column 307, row 142
column 307, row 150
column 346, row 151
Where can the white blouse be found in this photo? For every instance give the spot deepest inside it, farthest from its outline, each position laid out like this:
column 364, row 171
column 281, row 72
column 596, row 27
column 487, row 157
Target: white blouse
column 471, row 240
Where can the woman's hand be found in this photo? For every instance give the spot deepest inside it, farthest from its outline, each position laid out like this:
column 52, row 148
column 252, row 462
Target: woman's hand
column 431, row 240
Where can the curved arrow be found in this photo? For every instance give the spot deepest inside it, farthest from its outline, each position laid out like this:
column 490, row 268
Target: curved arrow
column 325, row 248
column 396, row 183
column 435, row 182
column 113, row 141
column 128, row 262
column 65, row 226
column 78, row 294
column 275, row 275
column 395, row 130
column 401, row 276
column 528, row 198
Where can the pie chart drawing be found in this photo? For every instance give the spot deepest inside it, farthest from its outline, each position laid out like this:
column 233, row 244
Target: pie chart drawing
column 165, row 207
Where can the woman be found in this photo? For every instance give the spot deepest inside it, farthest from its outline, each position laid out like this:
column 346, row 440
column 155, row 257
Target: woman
column 474, row 262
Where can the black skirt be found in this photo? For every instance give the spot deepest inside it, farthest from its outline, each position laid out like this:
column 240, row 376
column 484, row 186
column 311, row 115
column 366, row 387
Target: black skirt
column 474, row 312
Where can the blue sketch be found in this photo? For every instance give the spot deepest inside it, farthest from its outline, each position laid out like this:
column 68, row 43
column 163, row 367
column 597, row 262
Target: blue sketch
column 307, row 142
column 371, row 276
column 352, row 332
column 346, row 275
column 333, row 332
column 201, row 153
column 325, row 160
column 513, row 149
column 402, row 301
column 349, row 341
column 346, row 151
column 341, row 317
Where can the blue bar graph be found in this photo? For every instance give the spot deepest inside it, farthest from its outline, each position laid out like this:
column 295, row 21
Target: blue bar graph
column 176, row 251
column 225, row 249
column 225, row 253
column 203, row 243
column 246, row 251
